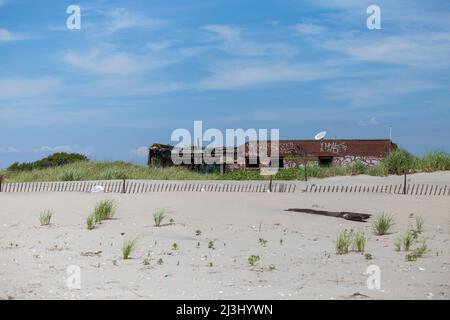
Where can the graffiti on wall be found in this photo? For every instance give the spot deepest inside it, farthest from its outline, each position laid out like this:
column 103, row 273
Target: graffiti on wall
column 333, row 147
column 291, row 148
column 346, row 160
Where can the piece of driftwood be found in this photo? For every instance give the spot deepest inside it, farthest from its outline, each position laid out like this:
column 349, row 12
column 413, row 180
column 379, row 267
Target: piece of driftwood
column 354, row 216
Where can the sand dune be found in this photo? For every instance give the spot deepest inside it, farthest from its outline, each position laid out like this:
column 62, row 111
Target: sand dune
column 298, row 261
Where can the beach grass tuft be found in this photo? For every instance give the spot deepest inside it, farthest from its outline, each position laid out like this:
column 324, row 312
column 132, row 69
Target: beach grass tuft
column 382, row 224
column 158, row 217
column 253, row 260
column 104, row 210
column 128, row 247
column 90, row 222
column 343, row 241
column 45, row 217
column 359, row 241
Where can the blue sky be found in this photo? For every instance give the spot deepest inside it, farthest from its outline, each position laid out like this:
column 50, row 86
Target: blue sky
column 137, row 70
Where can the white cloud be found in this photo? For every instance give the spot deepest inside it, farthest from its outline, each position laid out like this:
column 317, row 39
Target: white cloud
column 9, row 150
column 425, row 50
column 372, row 121
column 120, row 19
column 240, row 75
column 308, row 28
column 98, row 61
column 229, row 39
column 379, row 90
column 27, row 87
column 116, row 20
column 140, row 151
column 8, row 36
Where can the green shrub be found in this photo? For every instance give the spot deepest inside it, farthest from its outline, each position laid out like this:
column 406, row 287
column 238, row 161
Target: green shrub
column 434, row 161
column 71, row 175
column 358, row 167
column 54, row 160
column 242, row 175
column 113, row 174
column 378, row 170
column 399, row 161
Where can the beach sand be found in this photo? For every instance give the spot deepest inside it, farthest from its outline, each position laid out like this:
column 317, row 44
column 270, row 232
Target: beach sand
column 298, row 261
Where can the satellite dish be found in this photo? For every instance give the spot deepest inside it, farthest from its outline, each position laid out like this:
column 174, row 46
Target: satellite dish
column 320, row 135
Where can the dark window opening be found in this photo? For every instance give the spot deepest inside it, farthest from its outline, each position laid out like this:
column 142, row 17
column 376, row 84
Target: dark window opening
column 252, row 163
column 325, row 161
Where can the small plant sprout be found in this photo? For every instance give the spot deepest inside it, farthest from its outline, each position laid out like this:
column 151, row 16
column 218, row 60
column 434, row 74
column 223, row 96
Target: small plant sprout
column 146, row 261
column 398, row 244
column 211, row 244
column 45, row 217
column 368, row 256
column 172, row 221
column 104, row 210
column 408, row 240
column 419, row 225
column 90, row 222
column 175, row 246
column 263, row 242
column 382, row 224
column 272, row 267
column 198, row 232
column 359, row 242
column 281, row 242
column 159, row 217
column 128, row 247
column 253, row 260
column 343, row 241
column 420, row 251
column 410, row 257
column 114, row 262
column 211, row 264
column 160, row 261
column 198, row 245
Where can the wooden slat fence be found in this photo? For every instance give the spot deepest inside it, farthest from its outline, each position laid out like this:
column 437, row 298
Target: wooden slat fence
column 134, row 186
column 117, row 186
column 411, row 189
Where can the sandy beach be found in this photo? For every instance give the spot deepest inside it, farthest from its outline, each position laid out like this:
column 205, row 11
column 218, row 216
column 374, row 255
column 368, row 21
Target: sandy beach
column 297, row 262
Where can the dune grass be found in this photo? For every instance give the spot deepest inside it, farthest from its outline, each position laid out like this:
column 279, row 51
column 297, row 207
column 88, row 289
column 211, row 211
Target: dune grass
column 128, row 247
column 104, row 210
column 396, row 162
column 90, row 222
column 382, row 224
column 253, row 260
column 343, row 241
column 158, row 217
column 45, row 217
column 359, row 241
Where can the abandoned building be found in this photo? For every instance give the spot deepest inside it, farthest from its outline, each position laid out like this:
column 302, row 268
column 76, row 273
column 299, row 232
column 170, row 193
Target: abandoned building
column 291, row 153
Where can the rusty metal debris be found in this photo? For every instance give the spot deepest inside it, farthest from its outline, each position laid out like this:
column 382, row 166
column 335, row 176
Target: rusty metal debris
column 354, row 216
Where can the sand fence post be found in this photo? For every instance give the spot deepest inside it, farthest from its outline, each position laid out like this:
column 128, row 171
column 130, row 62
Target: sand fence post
column 2, row 178
column 404, row 182
column 124, row 189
